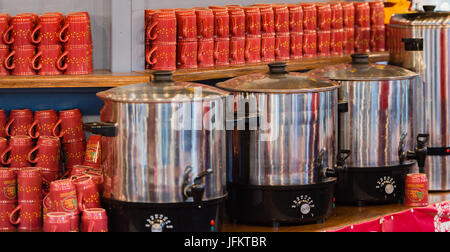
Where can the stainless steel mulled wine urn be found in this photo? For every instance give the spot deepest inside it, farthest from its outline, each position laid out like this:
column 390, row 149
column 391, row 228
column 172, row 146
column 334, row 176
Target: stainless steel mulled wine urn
column 164, row 156
column 433, row 28
column 379, row 107
column 281, row 133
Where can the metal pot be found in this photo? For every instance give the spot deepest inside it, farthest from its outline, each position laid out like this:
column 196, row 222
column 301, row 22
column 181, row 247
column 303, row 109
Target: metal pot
column 434, row 29
column 164, row 144
column 284, row 139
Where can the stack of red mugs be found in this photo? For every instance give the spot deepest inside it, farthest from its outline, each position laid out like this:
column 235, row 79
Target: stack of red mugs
column 4, row 48
column 221, row 36
column 348, row 9
column 187, row 41
column 337, row 29
column 237, row 35
column 378, row 28
column 362, row 27
column 268, row 36
column 253, row 31
column 309, row 30
column 282, row 31
column 296, row 30
column 161, row 40
column 323, row 29
column 205, row 33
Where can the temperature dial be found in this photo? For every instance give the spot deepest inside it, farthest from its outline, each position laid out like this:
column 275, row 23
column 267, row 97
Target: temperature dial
column 158, row 223
column 304, row 204
column 387, row 186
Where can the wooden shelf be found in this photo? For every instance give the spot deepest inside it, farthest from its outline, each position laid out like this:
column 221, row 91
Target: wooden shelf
column 234, row 71
column 342, row 216
column 100, row 78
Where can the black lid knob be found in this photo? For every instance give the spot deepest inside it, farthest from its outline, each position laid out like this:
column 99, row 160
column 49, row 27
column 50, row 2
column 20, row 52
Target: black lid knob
column 162, row 76
column 413, row 44
column 278, row 68
column 359, row 59
column 429, row 8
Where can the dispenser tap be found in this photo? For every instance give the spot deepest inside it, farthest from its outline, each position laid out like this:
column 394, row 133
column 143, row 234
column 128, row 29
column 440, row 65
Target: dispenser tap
column 194, row 190
column 419, row 154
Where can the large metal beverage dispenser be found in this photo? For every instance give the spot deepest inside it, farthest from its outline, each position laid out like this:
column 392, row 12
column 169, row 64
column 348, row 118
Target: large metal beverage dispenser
column 164, row 156
column 428, row 33
column 280, row 144
column 377, row 137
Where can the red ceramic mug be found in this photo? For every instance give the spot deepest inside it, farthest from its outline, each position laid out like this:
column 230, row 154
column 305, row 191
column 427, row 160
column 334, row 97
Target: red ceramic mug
column 76, row 30
column 362, row 40
column 19, row 60
column 48, row 153
column 296, row 45
column 237, row 22
column 378, row 38
column 97, row 176
column 5, row 210
column 253, row 20
column 44, row 122
column 295, row 18
column 18, row 149
column 323, row 17
column 94, row 220
column 88, row 195
column 8, row 184
column 362, row 15
column 162, row 56
column 205, row 53
column 29, row 185
column 3, row 122
column 93, row 152
column 337, row 42
column 74, row 154
column 28, row 216
column 3, row 144
column 348, row 9
column 309, row 43
column 48, row 176
column 337, row 16
column 221, row 23
column 349, row 40
column 282, row 18
column 45, row 60
column 77, row 171
column 162, row 27
column 187, row 25
column 222, row 51
column 237, row 51
column 48, row 28
column 62, row 197
column 323, row 43
column 78, row 60
column 57, row 222
column 282, row 47
column 20, row 121
column 377, row 13
column 4, row 52
column 205, row 23
column 253, row 49
column 267, row 19
column 309, row 16
column 268, row 47
column 187, row 52
column 70, row 125
column 19, row 31
column 4, row 24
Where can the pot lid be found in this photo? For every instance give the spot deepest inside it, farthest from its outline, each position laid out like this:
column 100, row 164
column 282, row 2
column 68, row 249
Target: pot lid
column 162, row 89
column 428, row 17
column 278, row 81
column 361, row 70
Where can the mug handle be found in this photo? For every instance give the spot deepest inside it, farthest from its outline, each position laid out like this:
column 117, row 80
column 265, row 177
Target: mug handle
column 263, row 50
column 234, row 50
column 91, row 226
column 8, row 60
column 247, row 51
column 277, row 47
column 61, row 32
column 47, row 203
column 291, row 22
column 58, row 62
column 54, row 129
column 53, row 229
column 33, row 35
column 7, row 162
column 203, row 27
column 150, row 30
column 8, row 125
column 11, row 215
column 200, row 53
column 33, row 62
column 234, row 27
column 221, row 27
column 264, row 23
column 30, row 131
column 277, row 23
column 185, row 28
column 5, row 36
column 149, row 55
column 216, row 51
column 31, row 153
column 81, row 206
column 183, row 55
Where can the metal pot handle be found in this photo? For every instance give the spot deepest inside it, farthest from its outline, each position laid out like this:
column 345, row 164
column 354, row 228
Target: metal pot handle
column 104, row 129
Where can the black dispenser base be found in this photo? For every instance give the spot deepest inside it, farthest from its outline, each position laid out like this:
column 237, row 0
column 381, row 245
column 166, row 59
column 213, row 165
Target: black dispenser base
column 280, row 205
column 175, row 217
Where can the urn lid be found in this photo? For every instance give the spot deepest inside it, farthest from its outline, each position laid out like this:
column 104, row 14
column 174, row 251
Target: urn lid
column 278, row 81
column 163, row 89
column 427, row 17
column 361, row 70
